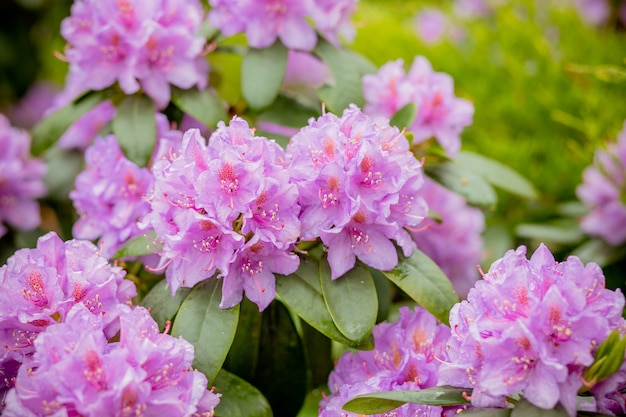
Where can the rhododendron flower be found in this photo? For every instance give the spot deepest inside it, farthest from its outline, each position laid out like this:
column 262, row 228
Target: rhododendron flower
column 76, row 371
column 148, row 44
column 431, row 25
column 40, row 285
column 34, row 105
column 110, row 196
column 406, row 356
column 359, row 189
column 530, row 326
column 439, row 113
column 264, row 21
column 82, row 132
column 454, row 241
column 602, row 191
column 21, row 179
column 227, row 208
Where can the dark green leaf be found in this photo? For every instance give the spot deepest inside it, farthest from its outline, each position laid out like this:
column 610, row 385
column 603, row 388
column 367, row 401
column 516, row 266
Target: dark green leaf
column 525, row 409
column 351, row 300
column 46, row 133
column 163, row 306
column 281, row 372
column 496, row 174
column 318, row 350
column 311, row 404
column 243, row 356
column 262, row 73
column 203, row 105
column 404, row 117
column 348, row 69
column 382, row 402
column 134, row 126
column 600, row 252
column 206, row 326
column 62, row 168
column 239, row 398
column 466, row 183
column 302, row 293
column 424, row 282
column 144, row 244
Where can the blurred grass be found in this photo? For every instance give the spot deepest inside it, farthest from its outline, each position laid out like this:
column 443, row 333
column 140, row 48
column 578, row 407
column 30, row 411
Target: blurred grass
column 533, row 71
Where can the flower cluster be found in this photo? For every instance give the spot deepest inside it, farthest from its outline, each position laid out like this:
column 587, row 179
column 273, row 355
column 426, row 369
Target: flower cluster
column 359, row 188
column 407, row 356
column 602, row 191
column 148, row 44
column 227, row 207
column 76, row 371
column 110, row 196
column 439, row 113
column 21, row 179
column 264, row 21
column 454, row 241
column 530, row 326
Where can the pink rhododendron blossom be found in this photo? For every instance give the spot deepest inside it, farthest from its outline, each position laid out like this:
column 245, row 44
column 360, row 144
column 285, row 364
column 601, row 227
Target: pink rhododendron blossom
column 431, row 25
column 82, row 132
column 31, row 108
column 40, row 286
column 594, row 12
column 406, row 356
column 359, row 189
column 439, row 113
column 602, row 191
column 455, row 241
column 21, row 179
column 110, row 196
column 76, row 371
column 265, row 21
column 530, row 326
column 227, row 208
column 137, row 44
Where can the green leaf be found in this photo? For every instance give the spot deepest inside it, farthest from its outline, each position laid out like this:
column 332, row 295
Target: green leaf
column 302, row 293
column 144, row 244
column 311, row 404
column 210, row 329
column 243, row 355
column 600, row 252
column 134, row 126
column 525, row 409
column 385, row 401
column 46, row 133
column 425, row 282
column 466, row 183
column 281, row 374
column 262, row 73
column 163, row 306
column 564, row 231
column 496, row 174
column 63, row 166
column 405, row 116
column 608, row 358
column 351, row 300
column 203, row 105
column 318, row 350
column 239, row 398
column 348, row 68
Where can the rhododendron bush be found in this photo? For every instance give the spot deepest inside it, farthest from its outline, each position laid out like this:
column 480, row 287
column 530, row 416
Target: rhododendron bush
column 227, row 211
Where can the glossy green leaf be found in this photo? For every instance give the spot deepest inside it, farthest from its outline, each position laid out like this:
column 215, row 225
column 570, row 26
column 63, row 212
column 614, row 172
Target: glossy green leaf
column 351, row 300
column 466, row 183
column 281, row 373
column 525, row 409
column 134, row 126
column 239, row 398
column 382, row 402
column 318, row 351
column 163, row 306
column 348, row 68
column 496, row 174
column 302, row 293
column 203, row 105
column 425, row 282
column 243, row 355
column 46, row 133
column 210, row 329
column 143, row 244
column 404, row 116
column 262, row 73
